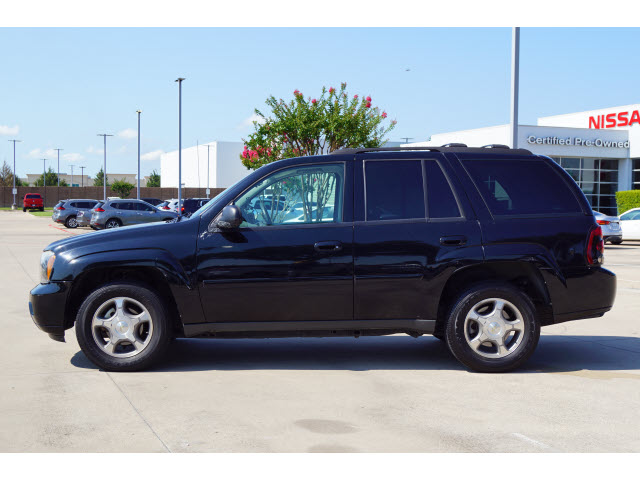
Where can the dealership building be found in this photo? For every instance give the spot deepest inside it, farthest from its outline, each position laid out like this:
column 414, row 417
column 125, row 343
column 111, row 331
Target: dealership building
column 600, row 148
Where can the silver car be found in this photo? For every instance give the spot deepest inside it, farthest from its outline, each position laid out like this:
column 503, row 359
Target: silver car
column 83, row 218
column 122, row 212
column 611, row 231
column 66, row 211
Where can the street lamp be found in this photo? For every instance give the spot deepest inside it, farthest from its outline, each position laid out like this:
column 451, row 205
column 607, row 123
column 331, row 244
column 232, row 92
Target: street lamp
column 82, row 175
column 208, row 190
column 180, row 80
column 44, row 181
column 72, row 174
column 138, row 112
column 104, row 167
column 58, row 149
column 13, row 207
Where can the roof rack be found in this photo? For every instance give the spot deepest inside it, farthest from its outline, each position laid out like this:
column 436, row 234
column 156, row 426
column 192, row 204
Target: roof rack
column 449, row 147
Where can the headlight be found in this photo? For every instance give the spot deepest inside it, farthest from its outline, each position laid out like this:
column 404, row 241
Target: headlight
column 46, row 266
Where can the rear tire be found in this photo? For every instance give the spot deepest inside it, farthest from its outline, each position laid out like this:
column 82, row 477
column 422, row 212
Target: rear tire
column 71, row 222
column 492, row 328
column 123, row 344
column 42, row 209
column 112, row 223
column 24, row 209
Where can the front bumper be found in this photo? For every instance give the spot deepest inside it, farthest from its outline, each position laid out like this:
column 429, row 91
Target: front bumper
column 47, row 303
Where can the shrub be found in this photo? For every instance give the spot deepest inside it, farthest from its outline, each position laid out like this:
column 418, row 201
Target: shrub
column 627, row 199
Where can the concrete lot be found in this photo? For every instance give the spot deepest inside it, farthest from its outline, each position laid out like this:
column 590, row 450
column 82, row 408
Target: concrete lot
column 580, row 392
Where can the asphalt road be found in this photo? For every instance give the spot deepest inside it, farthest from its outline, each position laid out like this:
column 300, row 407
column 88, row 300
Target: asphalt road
column 580, row 392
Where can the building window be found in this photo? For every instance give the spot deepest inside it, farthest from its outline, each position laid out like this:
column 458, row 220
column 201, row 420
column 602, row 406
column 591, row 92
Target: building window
column 636, row 174
column 598, row 179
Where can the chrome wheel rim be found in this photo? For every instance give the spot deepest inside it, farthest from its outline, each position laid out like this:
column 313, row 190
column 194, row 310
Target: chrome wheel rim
column 494, row 328
column 122, row 327
column 112, row 224
column 72, row 222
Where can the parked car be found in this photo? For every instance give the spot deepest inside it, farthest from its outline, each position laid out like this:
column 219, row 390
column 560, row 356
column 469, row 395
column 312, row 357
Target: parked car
column 83, row 217
column 120, row 213
column 480, row 247
column 67, row 211
column 630, row 224
column 153, row 201
column 170, row 205
column 611, row 230
column 190, row 205
column 32, row 201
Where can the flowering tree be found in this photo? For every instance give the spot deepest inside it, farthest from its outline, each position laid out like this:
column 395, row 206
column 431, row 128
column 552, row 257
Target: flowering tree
column 314, row 126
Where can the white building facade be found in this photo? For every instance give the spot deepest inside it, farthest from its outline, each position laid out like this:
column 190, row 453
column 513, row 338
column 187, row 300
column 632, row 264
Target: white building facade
column 223, row 166
column 600, row 148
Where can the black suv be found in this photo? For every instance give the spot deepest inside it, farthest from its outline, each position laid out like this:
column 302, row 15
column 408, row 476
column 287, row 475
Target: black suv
column 479, row 247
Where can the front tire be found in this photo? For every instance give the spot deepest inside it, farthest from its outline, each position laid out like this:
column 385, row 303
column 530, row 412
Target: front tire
column 123, row 327
column 492, row 328
column 71, row 222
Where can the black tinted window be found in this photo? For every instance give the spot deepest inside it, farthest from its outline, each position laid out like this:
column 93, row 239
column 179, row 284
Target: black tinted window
column 521, row 187
column 440, row 199
column 394, row 190
column 143, row 207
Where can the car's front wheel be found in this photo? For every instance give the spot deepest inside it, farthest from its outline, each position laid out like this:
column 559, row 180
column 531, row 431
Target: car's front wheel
column 123, row 327
column 492, row 328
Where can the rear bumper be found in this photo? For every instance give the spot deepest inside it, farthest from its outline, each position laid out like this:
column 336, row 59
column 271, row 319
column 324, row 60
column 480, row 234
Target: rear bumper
column 585, row 293
column 615, row 238
column 47, row 303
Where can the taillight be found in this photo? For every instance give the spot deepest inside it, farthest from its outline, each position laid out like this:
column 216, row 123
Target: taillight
column 595, row 247
column 99, row 209
column 166, row 208
column 61, row 208
column 603, row 222
column 183, row 209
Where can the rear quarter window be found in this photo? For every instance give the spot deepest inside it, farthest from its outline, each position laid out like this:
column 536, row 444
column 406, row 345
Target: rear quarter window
column 521, row 187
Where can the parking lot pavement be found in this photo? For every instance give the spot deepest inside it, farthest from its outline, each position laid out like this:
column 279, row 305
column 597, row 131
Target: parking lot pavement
column 580, row 392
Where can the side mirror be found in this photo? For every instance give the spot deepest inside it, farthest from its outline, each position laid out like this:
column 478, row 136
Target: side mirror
column 229, row 218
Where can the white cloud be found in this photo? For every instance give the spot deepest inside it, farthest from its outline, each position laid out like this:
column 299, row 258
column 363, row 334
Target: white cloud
column 39, row 153
column 248, row 122
column 92, row 149
column 73, row 157
column 151, row 156
column 128, row 133
column 9, row 131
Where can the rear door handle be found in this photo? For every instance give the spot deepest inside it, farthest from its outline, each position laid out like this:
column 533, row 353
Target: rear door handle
column 328, row 247
column 453, row 240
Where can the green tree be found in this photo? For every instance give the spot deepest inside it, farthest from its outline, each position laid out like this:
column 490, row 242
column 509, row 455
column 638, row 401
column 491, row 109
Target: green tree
column 122, row 188
column 314, row 126
column 52, row 180
column 99, row 180
column 154, row 179
column 6, row 177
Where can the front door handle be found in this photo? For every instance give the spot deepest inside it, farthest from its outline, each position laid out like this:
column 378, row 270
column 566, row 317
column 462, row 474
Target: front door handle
column 328, row 247
column 453, row 240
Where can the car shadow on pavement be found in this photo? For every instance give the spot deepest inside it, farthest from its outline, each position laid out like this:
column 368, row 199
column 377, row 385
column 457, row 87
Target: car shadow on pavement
column 555, row 353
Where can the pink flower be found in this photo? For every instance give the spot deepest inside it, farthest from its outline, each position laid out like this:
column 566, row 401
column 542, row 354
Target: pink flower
column 331, row 90
column 368, row 105
column 314, row 101
column 296, row 92
column 393, row 122
column 355, row 97
column 384, row 114
column 368, row 99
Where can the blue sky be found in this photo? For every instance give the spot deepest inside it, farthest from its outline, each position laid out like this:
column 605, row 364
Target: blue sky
column 61, row 87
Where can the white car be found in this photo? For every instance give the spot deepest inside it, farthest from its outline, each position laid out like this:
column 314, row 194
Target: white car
column 170, row 205
column 630, row 223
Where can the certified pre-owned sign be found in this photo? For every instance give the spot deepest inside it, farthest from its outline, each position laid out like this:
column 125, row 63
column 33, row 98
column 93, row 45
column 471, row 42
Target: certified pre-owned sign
column 577, row 141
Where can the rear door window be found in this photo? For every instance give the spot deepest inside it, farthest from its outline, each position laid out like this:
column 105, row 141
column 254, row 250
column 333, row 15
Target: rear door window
column 521, row 187
column 394, row 190
column 441, row 202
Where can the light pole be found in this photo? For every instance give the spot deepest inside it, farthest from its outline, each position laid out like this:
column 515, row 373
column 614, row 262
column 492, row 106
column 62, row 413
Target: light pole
column 58, row 149
column 180, row 80
column 208, row 190
column 515, row 78
column 104, row 166
column 72, row 175
column 138, row 112
column 13, row 207
column 82, row 175
column 44, row 181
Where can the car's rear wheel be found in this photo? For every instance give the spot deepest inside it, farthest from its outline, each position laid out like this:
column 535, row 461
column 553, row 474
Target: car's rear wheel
column 24, row 209
column 492, row 328
column 71, row 222
column 113, row 223
column 123, row 327
column 42, row 209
